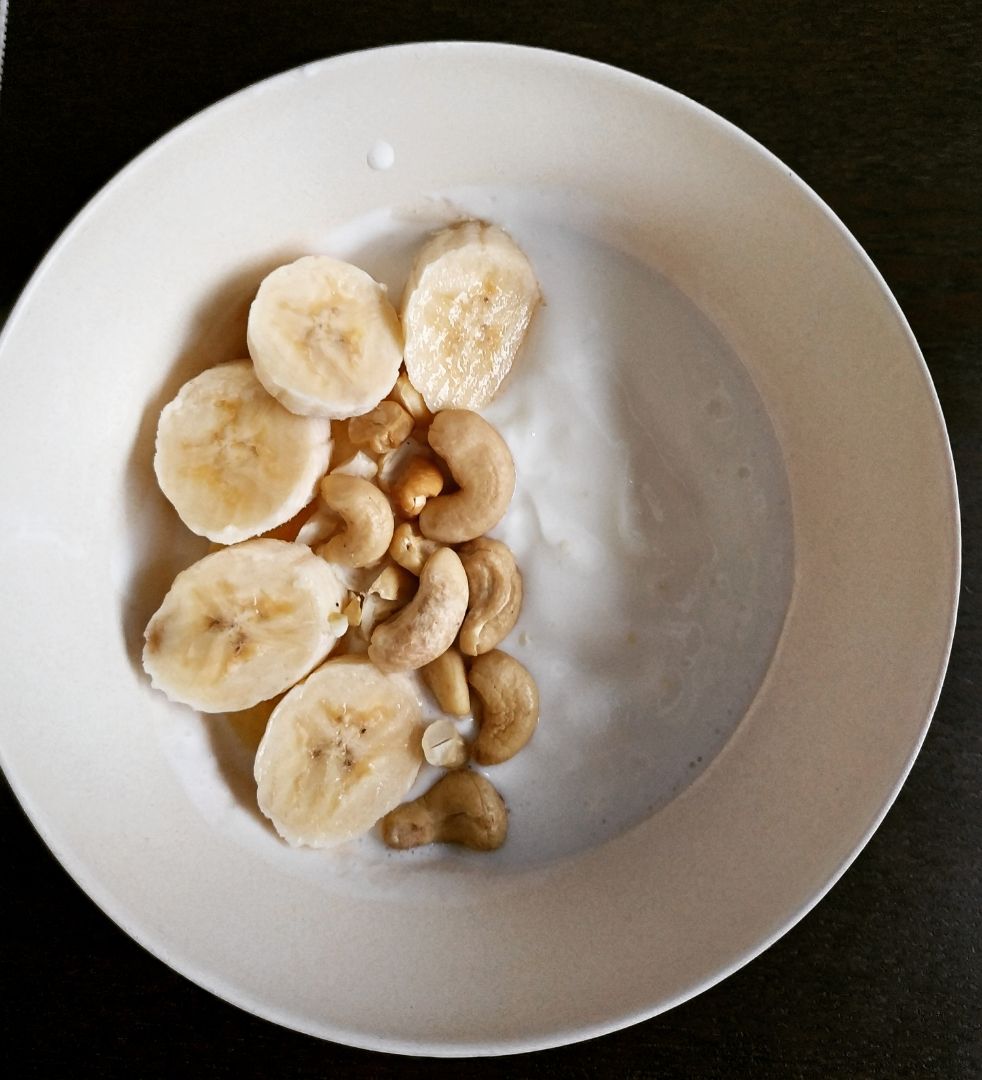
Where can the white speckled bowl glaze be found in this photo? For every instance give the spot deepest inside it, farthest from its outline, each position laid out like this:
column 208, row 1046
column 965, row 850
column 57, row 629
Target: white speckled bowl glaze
column 503, row 957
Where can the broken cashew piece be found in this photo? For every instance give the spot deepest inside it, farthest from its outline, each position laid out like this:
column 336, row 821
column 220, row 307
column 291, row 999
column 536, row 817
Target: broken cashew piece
column 446, row 678
column 481, row 463
column 461, row 808
column 409, row 549
column 443, row 745
column 509, row 706
column 406, row 395
column 359, row 464
column 387, row 426
column 495, row 588
column 352, row 611
column 368, row 521
column 391, row 590
column 420, row 480
column 428, row 624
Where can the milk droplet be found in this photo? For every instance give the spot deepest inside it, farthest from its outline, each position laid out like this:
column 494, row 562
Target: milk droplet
column 381, row 156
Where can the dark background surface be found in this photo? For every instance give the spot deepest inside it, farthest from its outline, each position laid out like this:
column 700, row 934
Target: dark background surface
column 879, row 108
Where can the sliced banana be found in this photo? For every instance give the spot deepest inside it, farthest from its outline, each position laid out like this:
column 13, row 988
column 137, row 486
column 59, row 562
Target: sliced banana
column 242, row 625
column 340, row 751
column 232, row 460
column 466, row 308
column 324, row 338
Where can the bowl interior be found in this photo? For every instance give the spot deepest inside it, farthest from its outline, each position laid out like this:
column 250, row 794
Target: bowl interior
column 719, row 376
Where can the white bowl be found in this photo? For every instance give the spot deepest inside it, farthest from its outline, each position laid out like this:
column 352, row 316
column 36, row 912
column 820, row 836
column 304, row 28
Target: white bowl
column 763, row 767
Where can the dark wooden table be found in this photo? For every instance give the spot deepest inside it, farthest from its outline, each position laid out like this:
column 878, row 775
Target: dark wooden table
column 879, row 108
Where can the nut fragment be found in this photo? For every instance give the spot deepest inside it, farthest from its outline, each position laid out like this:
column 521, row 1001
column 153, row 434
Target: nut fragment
column 428, row 624
column 410, row 399
column 352, row 611
column 389, row 593
column 495, row 587
column 319, row 527
column 367, row 518
column 387, row 426
column 443, row 745
column 420, row 480
column 360, row 464
column 446, row 677
column 461, row 808
column 409, row 549
column 393, row 583
column 481, row 463
column 509, row 706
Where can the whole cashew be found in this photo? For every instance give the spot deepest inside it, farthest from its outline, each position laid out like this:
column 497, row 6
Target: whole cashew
column 428, row 624
column 387, row 426
column 461, row 808
column 417, row 482
column 510, row 706
column 495, row 587
column 482, row 465
column 367, row 518
column 446, row 677
column 409, row 549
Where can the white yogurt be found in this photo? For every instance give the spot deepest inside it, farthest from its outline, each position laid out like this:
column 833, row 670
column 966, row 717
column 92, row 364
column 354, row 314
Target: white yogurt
column 651, row 522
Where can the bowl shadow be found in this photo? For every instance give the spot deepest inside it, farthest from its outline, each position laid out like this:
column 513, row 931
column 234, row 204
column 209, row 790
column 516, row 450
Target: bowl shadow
column 163, row 545
column 234, row 739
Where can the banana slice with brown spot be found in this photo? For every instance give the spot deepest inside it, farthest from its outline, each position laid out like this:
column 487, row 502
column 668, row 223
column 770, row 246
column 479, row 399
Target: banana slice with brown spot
column 243, row 625
column 340, row 751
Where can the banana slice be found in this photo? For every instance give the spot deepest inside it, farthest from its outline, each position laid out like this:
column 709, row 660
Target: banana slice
column 340, row 751
column 233, row 461
column 324, row 338
column 466, row 308
column 242, row 625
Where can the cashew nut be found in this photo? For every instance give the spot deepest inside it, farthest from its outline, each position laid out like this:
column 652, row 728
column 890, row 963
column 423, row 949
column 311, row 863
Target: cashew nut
column 495, row 587
column 446, row 677
column 461, row 808
column 509, row 706
column 409, row 549
column 443, row 745
column 410, row 399
column 417, row 482
column 428, row 624
column 480, row 462
column 367, row 519
column 387, row 426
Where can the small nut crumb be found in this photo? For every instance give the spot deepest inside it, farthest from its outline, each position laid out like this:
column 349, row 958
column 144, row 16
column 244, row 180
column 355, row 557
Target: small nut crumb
column 443, row 745
column 352, row 611
column 358, row 465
